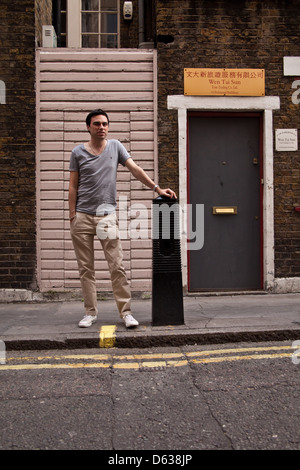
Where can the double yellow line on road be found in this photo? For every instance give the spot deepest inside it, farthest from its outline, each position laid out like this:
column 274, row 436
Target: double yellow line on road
column 147, row 360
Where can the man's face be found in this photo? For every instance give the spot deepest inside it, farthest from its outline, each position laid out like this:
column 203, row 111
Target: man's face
column 98, row 127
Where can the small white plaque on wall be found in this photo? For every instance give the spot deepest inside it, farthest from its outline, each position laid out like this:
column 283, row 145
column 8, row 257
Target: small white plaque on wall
column 291, row 66
column 286, row 140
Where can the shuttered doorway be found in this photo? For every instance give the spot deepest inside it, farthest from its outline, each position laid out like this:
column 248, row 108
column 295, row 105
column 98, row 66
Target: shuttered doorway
column 70, row 83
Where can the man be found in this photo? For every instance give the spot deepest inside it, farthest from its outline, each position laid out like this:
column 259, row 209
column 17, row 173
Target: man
column 92, row 203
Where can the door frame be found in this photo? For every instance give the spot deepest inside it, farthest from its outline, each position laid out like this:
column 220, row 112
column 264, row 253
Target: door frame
column 228, row 115
column 265, row 105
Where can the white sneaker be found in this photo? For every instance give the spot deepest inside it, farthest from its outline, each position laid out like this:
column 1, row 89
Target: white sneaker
column 87, row 321
column 130, row 321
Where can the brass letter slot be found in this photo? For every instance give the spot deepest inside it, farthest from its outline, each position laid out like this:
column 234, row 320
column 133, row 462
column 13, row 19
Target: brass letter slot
column 224, row 210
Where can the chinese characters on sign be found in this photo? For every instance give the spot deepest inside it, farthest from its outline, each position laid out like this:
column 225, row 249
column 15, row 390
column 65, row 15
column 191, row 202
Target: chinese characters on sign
column 224, row 82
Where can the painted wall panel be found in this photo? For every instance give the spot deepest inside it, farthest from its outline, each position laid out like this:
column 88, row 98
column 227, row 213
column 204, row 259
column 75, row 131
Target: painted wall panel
column 70, row 83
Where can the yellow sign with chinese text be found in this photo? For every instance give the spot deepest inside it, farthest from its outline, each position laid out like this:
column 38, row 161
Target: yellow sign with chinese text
column 224, row 82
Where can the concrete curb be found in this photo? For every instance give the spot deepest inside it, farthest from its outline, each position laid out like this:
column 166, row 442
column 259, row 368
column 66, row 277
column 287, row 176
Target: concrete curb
column 161, row 339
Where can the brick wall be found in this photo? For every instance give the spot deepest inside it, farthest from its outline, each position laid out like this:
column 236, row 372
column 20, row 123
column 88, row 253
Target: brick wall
column 234, row 34
column 17, row 144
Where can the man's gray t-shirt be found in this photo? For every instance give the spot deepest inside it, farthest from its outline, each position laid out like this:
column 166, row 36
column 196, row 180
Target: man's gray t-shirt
column 97, row 176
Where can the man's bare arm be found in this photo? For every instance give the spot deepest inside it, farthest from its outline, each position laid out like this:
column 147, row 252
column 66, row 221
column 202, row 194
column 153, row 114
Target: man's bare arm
column 142, row 176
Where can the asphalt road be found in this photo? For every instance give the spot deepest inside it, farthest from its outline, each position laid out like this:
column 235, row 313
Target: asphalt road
column 241, row 396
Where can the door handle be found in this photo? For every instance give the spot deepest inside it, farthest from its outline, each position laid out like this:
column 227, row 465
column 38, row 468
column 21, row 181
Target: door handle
column 224, row 210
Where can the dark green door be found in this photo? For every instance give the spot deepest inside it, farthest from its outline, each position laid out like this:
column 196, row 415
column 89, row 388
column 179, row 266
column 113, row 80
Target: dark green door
column 224, row 174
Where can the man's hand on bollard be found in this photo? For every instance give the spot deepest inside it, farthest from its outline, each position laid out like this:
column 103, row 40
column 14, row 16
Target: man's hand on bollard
column 166, row 192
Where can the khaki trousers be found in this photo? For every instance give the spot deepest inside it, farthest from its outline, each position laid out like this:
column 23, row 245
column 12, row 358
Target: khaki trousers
column 83, row 230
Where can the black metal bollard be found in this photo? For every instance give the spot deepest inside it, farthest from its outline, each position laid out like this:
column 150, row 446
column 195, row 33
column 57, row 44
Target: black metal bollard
column 167, row 297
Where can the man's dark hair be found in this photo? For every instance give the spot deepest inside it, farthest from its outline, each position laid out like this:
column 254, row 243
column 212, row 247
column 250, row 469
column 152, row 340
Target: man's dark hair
column 96, row 112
